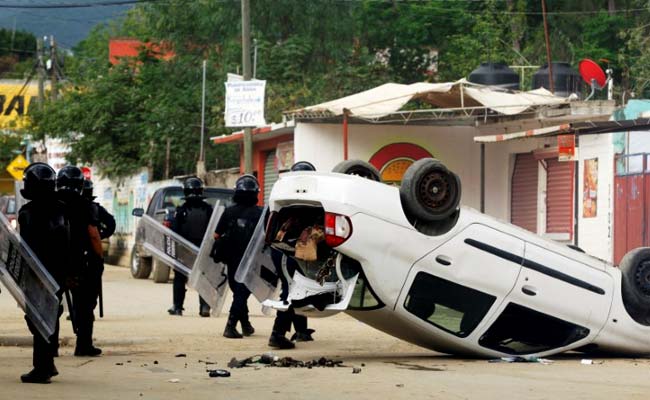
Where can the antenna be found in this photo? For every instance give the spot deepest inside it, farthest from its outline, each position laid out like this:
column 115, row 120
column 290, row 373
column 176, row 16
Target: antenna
column 593, row 75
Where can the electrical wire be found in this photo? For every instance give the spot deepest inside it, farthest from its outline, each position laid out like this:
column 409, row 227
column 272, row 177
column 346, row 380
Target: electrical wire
column 79, row 5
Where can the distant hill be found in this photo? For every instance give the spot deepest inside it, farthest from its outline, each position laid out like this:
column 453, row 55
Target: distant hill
column 68, row 25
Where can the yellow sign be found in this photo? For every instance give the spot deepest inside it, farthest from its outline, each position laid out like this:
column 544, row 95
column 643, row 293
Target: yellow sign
column 15, row 101
column 17, row 166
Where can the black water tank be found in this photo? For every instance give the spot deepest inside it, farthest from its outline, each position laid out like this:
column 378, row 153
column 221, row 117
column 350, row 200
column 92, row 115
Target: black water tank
column 566, row 80
column 495, row 74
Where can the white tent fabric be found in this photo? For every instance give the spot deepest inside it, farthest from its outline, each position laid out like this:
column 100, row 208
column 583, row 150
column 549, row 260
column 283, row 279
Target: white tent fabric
column 391, row 97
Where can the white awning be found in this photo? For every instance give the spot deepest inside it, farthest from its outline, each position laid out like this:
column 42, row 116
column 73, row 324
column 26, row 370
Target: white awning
column 391, row 97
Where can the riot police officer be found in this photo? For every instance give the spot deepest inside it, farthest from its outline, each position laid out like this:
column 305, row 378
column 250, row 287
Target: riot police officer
column 106, row 228
column 190, row 221
column 45, row 229
column 86, row 256
column 236, row 226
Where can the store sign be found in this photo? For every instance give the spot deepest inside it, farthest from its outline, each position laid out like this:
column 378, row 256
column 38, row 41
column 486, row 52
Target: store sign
column 245, row 103
column 15, row 99
column 566, row 146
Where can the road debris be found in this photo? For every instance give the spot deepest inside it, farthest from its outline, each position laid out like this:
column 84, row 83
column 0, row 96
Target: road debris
column 181, row 355
column 356, row 370
column 218, row 373
column 174, row 380
column 519, row 359
column 271, row 360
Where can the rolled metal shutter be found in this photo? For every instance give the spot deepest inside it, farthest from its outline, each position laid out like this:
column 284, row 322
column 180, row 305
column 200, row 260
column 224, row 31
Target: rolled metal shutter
column 270, row 174
column 559, row 196
column 523, row 201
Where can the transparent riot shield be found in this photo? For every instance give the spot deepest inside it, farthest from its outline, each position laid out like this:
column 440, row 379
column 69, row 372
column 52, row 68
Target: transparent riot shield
column 27, row 280
column 168, row 246
column 207, row 277
column 257, row 270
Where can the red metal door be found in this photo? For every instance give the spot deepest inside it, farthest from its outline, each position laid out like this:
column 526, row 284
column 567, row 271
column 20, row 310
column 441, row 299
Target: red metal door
column 631, row 208
column 523, row 201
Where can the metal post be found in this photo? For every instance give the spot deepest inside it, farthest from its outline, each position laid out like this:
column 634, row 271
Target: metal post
column 345, row 135
column 254, row 58
column 548, row 49
column 482, row 177
column 246, row 64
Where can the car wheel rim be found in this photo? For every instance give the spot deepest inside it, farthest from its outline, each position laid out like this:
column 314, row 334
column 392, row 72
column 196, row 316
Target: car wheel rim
column 642, row 277
column 135, row 263
column 434, row 191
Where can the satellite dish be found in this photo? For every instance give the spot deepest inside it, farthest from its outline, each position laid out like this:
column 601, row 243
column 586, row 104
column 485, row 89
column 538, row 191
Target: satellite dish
column 591, row 72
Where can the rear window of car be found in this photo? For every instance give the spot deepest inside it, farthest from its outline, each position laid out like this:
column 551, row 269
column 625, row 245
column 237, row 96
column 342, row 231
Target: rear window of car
column 212, row 196
column 174, row 197
column 11, row 206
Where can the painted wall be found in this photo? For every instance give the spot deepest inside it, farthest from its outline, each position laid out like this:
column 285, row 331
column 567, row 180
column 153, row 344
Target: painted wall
column 595, row 235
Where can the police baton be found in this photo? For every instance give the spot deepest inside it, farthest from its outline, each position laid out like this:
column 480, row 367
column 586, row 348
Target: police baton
column 73, row 317
column 101, row 298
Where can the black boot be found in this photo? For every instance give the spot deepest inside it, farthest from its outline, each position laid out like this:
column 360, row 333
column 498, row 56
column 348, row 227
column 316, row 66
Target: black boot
column 36, row 376
column 246, row 327
column 87, row 351
column 303, row 336
column 280, row 341
column 231, row 329
column 175, row 311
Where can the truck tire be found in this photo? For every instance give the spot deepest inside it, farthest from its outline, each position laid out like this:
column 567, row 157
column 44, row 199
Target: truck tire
column 429, row 192
column 359, row 168
column 140, row 266
column 160, row 271
column 635, row 284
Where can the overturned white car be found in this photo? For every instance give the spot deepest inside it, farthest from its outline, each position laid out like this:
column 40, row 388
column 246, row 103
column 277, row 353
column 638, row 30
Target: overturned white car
column 408, row 261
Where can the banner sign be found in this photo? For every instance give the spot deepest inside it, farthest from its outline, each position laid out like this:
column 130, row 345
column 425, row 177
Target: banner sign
column 590, row 189
column 207, row 277
column 168, row 246
column 566, row 146
column 245, row 103
column 27, row 280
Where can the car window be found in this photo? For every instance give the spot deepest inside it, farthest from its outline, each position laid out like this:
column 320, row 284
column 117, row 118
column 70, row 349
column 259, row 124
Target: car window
column 172, row 198
column 11, row 206
column 451, row 307
column 363, row 297
column 521, row 330
column 213, row 196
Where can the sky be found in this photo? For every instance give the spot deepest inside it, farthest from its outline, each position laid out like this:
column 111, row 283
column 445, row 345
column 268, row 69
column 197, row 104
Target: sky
column 68, row 25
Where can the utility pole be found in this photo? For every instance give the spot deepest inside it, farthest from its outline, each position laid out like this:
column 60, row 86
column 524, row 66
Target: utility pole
column 41, row 72
column 200, row 165
column 548, row 49
column 53, row 69
column 246, row 64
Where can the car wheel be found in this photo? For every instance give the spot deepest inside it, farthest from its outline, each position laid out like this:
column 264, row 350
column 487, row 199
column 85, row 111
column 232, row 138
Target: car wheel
column 359, row 168
column 140, row 266
column 635, row 268
column 430, row 192
column 160, row 272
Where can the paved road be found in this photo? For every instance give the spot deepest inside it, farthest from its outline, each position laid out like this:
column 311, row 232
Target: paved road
column 141, row 343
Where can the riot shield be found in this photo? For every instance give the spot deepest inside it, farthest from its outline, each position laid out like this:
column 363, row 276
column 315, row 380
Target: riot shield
column 168, row 246
column 27, row 280
column 257, row 270
column 207, row 277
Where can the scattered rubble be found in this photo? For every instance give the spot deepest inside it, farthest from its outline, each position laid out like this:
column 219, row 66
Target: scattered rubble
column 181, row 355
column 271, row 360
column 218, row 373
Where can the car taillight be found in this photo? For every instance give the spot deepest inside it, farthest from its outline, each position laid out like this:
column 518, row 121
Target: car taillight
column 338, row 229
column 168, row 224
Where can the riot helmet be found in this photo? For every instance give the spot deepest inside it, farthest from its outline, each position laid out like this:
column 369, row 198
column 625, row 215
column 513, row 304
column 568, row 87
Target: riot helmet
column 303, row 166
column 70, row 179
column 39, row 180
column 193, row 187
column 87, row 190
column 246, row 190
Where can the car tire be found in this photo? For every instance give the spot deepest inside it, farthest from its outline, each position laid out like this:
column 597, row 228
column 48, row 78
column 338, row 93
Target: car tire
column 160, row 271
column 429, row 192
column 359, row 168
column 635, row 284
column 140, row 266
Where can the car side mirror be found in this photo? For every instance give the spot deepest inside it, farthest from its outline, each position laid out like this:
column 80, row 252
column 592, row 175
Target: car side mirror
column 137, row 212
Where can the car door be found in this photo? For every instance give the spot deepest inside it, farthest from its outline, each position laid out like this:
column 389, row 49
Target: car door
column 456, row 287
column 563, row 297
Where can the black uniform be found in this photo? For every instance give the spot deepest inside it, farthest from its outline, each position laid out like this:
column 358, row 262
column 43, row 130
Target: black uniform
column 45, row 229
column 191, row 221
column 87, row 267
column 237, row 225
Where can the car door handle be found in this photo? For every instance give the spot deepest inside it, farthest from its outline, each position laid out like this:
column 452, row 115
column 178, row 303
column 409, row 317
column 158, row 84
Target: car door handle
column 529, row 290
column 444, row 260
